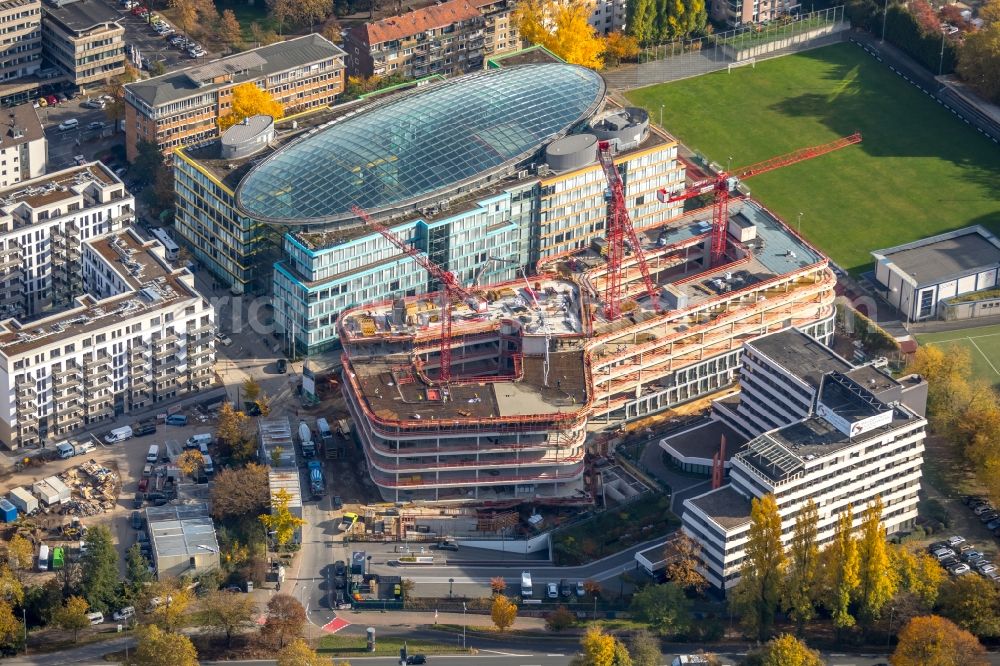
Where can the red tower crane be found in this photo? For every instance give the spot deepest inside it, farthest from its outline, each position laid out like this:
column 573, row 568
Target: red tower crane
column 617, row 226
column 721, row 185
column 449, row 283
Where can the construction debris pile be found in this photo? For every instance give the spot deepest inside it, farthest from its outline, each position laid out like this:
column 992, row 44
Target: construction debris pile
column 95, row 489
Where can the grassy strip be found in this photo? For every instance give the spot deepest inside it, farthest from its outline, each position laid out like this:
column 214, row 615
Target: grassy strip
column 385, row 646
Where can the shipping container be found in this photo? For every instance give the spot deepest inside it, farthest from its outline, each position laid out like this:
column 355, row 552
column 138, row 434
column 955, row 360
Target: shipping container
column 58, row 558
column 23, row 500
column 8, row 512
column 46, row 493
column 60, row 487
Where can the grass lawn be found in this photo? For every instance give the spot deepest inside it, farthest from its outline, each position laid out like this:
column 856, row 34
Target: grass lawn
column 248, row 13
column 920, row 171
column 983, row 344
column 385, row 646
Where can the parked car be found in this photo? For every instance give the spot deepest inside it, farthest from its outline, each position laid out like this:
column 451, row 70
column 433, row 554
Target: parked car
column 96, row 125
column 958, row 569
column 982, row 508
column 969, row 499
column 955, row 540
column 993, row 524
column 52, row 100
column 282, row 366
column 223, row 339
column 988, row 516
column 124, row 614
column 339, row 568
column 565, row 589
column 551, row 591
column 948, row 561
column 964, row 547
column 416, row 659
column 972, row 556
column 580, row 590
column 446, row 545
column 136, row 520
column 338, row 503
column 942, row 553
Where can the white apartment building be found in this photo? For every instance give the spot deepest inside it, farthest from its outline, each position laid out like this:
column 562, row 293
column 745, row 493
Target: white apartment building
column 862, row 438
column 608, row 16
column 97, row 322
column 23, row 147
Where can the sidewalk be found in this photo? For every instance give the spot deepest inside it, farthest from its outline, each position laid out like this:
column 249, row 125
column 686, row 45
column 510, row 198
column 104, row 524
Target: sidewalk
column 425, row 619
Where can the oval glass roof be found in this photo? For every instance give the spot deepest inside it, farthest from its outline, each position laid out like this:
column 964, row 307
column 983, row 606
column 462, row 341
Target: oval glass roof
column 407, row 149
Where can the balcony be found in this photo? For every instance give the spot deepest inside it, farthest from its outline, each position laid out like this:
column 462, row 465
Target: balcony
column 97, row 382
column 26, row 390
column 68, row 370
column 67, row 408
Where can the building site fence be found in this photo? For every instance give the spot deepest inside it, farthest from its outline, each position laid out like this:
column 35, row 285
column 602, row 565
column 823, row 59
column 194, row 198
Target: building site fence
column 744, row 45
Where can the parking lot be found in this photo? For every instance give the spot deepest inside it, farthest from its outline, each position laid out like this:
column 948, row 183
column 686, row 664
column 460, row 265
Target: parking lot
column 969, row 555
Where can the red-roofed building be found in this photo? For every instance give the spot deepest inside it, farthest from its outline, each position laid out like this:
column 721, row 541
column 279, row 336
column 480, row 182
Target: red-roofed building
column 454, row 37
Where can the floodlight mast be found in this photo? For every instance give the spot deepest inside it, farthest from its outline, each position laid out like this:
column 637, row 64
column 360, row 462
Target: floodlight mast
column 451, row 288
column 722, row 184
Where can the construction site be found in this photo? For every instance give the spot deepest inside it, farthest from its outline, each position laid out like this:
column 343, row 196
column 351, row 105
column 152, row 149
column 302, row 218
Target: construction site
column 488, row 394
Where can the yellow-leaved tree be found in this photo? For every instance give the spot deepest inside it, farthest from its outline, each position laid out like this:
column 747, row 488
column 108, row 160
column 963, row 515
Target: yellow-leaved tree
column 930, row 639
column 877, row 580
column 841, row 568
column 759, row 591
column 562, row 28
column 281, row 521
column 503, row 612
column 786, row 650
column 249, row 100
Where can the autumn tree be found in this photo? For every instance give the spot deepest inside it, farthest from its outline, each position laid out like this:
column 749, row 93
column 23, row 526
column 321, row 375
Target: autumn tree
column 663, row 607
column 877, row 580
column 681, row 555
column 841, row 568
column 503, row 612
column 72, row 616
column 785, row 650
column 285, row 619
column 641, row 17
column 240, row 492
column 20, row 553
column 249, row 100
column 11, row 589
column 114, row 87
column 331, row 30
column 930, row 639
column 563, row 28
column 920, row 577
column 11, row 630
column 644, row 648
column 973, row 603
column 298, row 653
column 280, row 10
column 802, row 587
column 498, row 585
column 251, row 389
column 233, row 431
column 169, row 601
column 156, row 647
column 228, row 613
column 137, row 574
column 186, row 13
column 759, row 589
column 620, row 47
column 560, row 619
column 190, row 462
column 230, row 32
column 281, row 520
column 311, row 12
column 654, row 21
column 601, row 649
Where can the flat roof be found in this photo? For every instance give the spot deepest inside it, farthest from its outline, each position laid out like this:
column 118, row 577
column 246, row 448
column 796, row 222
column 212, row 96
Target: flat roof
column 56, row 187
column 937, row 258
column 152, row 285
column 724, row 506
column 276, row 433
column 80, row 15
column 286, row 479
column 703, row 440
column 238, row 68
column 802, row 356
column 181, row 530
column 393, row 393
column 20, row 124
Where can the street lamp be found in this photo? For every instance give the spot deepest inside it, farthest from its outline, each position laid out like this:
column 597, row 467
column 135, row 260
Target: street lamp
column 368, row 568
column 729, row 164
column 661, row 116
column 798, row 227
column 888, row 638
column 595, row 606
column 463, row 625
column 885, row 14
column 451, row 585
column 941, row 61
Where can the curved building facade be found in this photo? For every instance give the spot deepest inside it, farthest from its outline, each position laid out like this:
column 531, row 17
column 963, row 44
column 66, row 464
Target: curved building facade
column 411, row 149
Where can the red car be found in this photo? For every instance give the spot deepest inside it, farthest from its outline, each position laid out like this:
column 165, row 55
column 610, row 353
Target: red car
column 52, row 100
column 139, row 10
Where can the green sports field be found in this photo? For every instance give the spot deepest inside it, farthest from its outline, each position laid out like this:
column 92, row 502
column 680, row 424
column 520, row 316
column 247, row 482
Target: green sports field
column 983, row 344
column 920, row 171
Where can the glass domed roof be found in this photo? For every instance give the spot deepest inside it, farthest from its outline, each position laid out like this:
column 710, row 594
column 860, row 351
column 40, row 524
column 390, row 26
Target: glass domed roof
column 410, row 148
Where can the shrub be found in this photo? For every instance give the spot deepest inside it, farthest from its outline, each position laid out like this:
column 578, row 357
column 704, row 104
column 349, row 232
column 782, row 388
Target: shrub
column 560, row 619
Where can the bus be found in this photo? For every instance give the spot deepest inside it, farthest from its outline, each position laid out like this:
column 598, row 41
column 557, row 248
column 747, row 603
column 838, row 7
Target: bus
column 167, row 242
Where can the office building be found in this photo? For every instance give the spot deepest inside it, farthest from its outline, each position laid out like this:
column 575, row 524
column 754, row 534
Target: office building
column 20, row 49
column 836, row 434
column 84, row 39
column 23, row 147
column 183, row 107
column 448, row 38
column 97, row 323
column 918, row 278
column 608, row 16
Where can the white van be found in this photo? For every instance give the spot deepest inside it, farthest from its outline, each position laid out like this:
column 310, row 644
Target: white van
column 154, row 454
column 198, row 441
column 96, row 618
column 525, row 584
column 119, row 435
column 43, row 558
column 70, row 124
column 65, row 450
column 209, row 467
